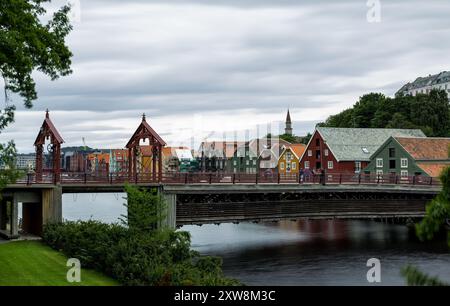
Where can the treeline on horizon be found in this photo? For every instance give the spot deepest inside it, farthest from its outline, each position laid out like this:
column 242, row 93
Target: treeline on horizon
column 428, row 112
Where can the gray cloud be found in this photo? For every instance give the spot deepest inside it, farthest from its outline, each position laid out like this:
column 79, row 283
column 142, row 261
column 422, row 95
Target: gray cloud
column 221, row 58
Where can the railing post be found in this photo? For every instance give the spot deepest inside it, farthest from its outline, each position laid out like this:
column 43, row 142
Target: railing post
column 414, row 180
column 256, row 178
column 85, row 177
column 378, row 179
column 186, row 179
column 234, row 178
column 396, row 179
column 28, row 178
column 359, row 179
column 279, row 177
column 431, row 180
column 210, row 178
column 340, row 179
column 135, row 178
column 110, row 178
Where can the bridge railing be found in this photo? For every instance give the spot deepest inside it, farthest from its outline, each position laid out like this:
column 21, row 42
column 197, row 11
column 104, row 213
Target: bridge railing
column 68, row 178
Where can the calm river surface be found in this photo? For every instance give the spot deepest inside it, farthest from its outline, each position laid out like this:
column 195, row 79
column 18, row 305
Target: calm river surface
column 293, row 253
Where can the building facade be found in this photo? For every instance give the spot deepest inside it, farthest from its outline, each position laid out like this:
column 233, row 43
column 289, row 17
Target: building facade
column 26, row 161
column 270, row 154
column 217, row 155
column 410, row 156
column 289, row 161
column 423, row 85
column 346, row 150
column 245, row 158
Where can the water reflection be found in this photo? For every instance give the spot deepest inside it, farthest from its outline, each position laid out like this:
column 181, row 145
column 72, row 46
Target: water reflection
column 326, row 252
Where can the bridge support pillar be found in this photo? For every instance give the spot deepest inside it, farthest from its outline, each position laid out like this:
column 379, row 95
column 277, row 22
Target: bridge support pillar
column 170, row 216
column 52, row 205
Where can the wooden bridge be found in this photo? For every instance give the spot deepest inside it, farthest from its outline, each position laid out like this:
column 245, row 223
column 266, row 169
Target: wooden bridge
column 198, row 198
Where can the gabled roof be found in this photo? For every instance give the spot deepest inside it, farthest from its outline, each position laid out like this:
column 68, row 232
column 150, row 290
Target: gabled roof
column 145, row 130
column 358, row 144
column 298, row 149
column 429, row 148
column 433, row 169
column 48, row 129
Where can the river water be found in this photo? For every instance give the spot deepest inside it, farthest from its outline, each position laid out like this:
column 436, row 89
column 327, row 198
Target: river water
column 328, row 252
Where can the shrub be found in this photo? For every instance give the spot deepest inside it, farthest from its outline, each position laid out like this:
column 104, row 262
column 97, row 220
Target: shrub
column 137, row 253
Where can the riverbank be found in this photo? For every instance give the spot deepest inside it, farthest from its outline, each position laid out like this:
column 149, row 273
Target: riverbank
column 32, row 263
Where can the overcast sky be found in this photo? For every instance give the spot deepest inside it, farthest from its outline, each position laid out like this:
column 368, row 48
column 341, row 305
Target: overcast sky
column 196, row 66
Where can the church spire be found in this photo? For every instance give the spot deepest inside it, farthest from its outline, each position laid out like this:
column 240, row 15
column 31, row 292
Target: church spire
column 288, row 124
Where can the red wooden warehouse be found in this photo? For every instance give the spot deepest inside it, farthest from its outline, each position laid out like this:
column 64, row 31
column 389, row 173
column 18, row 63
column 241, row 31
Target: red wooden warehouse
column 347, row 150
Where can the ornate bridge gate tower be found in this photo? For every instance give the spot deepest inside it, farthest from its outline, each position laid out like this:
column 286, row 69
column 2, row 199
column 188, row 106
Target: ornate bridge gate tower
column 48, row 132
column 143, row 132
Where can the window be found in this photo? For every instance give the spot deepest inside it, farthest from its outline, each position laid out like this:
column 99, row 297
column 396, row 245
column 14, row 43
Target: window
column 365, row 150
column 357, row 166
column 294, row 166
column 288, row 156
column 379, row 163
column 325, row 152
column 330, row 164
column 404, row 163
column 404, row 173
column 392, row 164
column 235, row 163
column 317, row 142
column 281, row 166
column 247, row 162
column 391, row 152
column 306, row 164
column 379, row 172
column 317, row 154
column 309, row 153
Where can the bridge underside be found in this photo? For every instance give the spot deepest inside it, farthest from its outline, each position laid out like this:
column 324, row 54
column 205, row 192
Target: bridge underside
column 241, row 207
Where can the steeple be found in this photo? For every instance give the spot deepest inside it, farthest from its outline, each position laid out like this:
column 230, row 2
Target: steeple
column 288, row 124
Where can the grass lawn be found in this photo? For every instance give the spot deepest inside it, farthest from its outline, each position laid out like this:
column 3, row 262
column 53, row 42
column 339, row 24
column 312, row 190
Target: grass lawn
column 32, row 263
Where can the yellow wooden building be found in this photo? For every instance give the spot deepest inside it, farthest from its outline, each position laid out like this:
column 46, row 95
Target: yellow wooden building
column 288, row 163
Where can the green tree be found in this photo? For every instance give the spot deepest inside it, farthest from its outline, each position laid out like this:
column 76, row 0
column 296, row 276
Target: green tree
column 428, row 112
column 364, row 110
column 26, row 45
column 342, row 120
column 288, row 138
column 437, row 214
column 145, row 209
column 399, row 121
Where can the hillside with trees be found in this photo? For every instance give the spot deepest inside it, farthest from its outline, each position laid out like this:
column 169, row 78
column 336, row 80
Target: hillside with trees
column 428, row 112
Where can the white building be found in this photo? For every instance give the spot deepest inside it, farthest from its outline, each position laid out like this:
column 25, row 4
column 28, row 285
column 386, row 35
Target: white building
column 26, row 161
column 425, row 84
